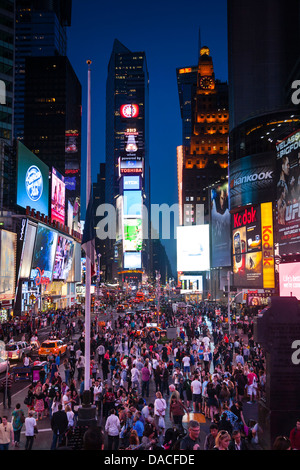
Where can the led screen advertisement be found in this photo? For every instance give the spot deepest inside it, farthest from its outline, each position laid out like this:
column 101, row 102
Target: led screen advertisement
column 8, row 243
column 193, row 253
column 253, row 247
column 129, row 111
column 27, row 251
column 32, row 181
column 131, row 167
column 131, row 183
column 132, row 203
column 132, row 260
column 63, row 258
column 133, row 236
column 220, row 227
column 288, row 195
column 58, row 197
column 44, row 253
column 289, row 280
column 190, row 284
column 252, row 180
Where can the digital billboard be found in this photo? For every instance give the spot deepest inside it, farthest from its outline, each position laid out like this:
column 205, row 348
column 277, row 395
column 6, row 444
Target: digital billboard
column 32, row 181
column 133, row 235
column 27, row 251
column 58, row 196
column 132, row 203
column 131, row 183
column 63, row 258
column 132, row 260
column 288, row 195
column 289, row 280
column 253, row 247
column 252, row 180
column 129, row 111
column 190, row 284
column 193, row 253
column 8, row 242
column 220, row 227
column 44, row 252
column 131, row 167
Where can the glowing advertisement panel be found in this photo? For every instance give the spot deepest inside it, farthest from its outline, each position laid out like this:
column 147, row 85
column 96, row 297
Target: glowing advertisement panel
column 132, row 203
column 58, row 196
column 132, row 260
column 190, row 284
column 193, row 253
column 131, row 167
column 63, row 258
column 133, row 236
column 289, row 280
column 288, row 195
column 32, row 181
column 131, row 183
column 7, row 265
column 27, row 251
column 129, row 111
column 220, row 227
column 44, row 253
column 253, row 247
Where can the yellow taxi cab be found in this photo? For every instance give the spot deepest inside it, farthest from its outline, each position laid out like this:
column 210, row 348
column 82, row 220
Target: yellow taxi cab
column 148, row 329
column 52, row 346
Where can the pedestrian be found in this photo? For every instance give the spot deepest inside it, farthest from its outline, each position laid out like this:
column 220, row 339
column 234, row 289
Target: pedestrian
column 18, row 419
column 177, row 411
column 210, row 440
column 295, row 436
column 30, row 430
column 160, row 407
column 192, row 440
column 222, row 440
column 5, row 388
column 59, row 426
column 113, row 428
column 6, row 434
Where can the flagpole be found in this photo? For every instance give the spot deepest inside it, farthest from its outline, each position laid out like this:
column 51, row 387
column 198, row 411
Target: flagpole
column 87, row 353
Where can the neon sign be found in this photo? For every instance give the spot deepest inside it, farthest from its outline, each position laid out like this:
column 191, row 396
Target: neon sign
column 40, row 279
column 129, row 111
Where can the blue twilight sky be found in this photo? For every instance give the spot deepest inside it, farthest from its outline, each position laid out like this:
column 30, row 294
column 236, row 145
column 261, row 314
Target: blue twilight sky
column 168, row 33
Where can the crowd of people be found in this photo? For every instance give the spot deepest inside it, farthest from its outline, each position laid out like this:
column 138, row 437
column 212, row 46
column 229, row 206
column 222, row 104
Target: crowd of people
column 149, row 391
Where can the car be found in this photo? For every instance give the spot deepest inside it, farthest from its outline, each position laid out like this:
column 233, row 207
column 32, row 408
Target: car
column 16, row 351
column 52, row 346
column 145, row 331
column 4, row 365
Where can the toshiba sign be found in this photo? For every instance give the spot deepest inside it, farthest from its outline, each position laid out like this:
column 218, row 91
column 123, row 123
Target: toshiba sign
column 252, row 180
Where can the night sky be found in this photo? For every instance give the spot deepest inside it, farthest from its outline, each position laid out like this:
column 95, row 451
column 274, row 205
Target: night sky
column 168, row 33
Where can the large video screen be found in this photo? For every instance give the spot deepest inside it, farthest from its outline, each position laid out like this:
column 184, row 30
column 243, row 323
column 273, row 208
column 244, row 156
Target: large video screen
column 132, row 260
column 58, row 195
column 133, row 235
column 288, row 195
column 190, row 284
column 44, row 252
column 252, row 246
column 63, row 258
column 289, row 280
column 32, row 181
column 193, row 253
column 27, row 251
column 220, row 228
column 132, row 203
column 7, row 265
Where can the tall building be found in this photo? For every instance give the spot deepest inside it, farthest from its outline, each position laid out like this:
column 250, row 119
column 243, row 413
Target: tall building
column 52, row 124
column 187, row 87
column 41, row 30
column 204, row 161
column 127, row 161
column 7, row 60
column 99, row 199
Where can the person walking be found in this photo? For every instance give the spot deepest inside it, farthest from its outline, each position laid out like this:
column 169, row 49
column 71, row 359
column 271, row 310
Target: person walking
column 113, row 428
column 6, row 434
column 30, row 430
column 18, row 419
column 59, row 426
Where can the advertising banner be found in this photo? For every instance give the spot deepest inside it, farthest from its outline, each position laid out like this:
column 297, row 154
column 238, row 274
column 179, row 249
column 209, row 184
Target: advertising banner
column 32, row 181
column 288, row 195
column 58, row 197
column 289, row 280
column 63, row 258
column 220, row 228
column 44, row 254
column 8, row 242
column 193, row 253
column 27, row 251
column 253, row 249
column 131, row 167
column 133, row 236
column 132, row 260
column 252, row 180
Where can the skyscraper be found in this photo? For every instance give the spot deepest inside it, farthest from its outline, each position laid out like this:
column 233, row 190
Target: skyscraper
column 40, row 31
column 127, row 159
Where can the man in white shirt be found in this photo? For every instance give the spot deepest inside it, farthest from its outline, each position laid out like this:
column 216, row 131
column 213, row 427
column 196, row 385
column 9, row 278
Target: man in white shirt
column 135, row 376
column 197, row 397
column 30, row 425
column 113, row 428
column 186, row 364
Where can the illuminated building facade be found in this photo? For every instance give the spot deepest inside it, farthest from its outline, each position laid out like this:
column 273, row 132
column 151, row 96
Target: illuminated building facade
column 127, row 162
column 205, row 160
